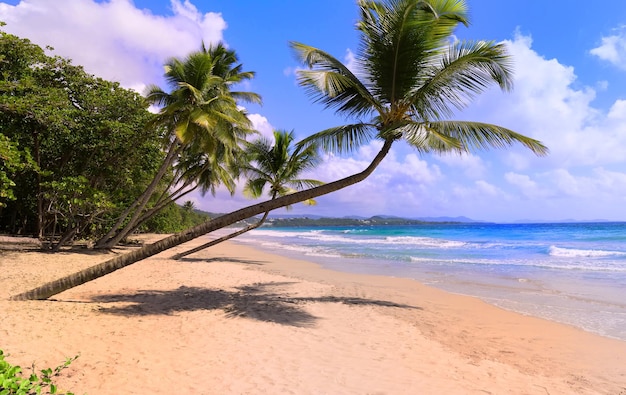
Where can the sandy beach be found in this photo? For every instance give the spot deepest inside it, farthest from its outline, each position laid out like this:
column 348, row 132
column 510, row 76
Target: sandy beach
column 235, row 320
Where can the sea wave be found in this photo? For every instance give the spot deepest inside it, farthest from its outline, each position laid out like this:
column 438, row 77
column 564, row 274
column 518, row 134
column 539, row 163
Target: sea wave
column 283, row 234
column 426, row 242
column 576, row 253
column 591, row 265
column 418, row 242
column 309, row 251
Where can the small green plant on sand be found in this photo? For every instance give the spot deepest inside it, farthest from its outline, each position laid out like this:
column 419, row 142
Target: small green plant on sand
column 13, row 381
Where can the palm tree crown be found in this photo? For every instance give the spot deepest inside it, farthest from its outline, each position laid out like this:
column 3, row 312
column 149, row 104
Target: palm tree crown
column 279, row 166
column 409, row 79
column 202, row 106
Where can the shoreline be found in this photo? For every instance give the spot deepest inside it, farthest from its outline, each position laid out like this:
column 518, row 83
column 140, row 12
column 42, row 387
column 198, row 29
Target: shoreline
column 235, row 319
column 568, row 297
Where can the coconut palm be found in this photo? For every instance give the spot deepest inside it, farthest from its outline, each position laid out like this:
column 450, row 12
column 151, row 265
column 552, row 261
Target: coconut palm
column 276, row 165
column 409, row 80
column 201, row 109
column 193, row 170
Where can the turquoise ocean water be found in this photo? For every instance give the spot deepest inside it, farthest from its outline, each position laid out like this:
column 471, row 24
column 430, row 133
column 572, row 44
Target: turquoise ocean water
column 570, row 273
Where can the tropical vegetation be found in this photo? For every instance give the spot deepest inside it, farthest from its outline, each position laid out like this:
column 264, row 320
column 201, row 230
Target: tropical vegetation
column 13, row 380
column 410, row 77
column 204, row 132
column 74, row 147
column 276, row 165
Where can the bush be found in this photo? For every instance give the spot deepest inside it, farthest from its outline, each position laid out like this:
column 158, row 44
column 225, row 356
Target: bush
column 13, row 382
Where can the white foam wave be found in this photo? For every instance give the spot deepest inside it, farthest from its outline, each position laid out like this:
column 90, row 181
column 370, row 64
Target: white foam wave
column 425, row 242
column 345, row 238
column 310, row 251
column 283, row 234
column 453, row 260
column 575, row 253
column 589, row 265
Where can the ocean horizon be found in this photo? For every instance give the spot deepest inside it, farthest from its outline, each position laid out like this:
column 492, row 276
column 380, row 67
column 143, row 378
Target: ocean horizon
column 573, row 273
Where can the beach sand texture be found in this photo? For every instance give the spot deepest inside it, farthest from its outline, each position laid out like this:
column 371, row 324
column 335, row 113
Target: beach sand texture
column 235, row 320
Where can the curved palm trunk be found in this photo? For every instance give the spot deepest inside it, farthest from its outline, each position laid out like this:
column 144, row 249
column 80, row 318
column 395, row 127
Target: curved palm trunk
column 221, row 239
column 112, row 238
column 54, row 287
column 157, row 208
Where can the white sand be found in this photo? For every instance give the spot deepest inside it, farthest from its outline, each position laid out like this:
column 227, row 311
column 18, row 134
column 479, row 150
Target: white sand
column 235, row 320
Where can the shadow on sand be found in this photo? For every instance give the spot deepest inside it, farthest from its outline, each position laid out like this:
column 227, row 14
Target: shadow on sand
column 259, row 302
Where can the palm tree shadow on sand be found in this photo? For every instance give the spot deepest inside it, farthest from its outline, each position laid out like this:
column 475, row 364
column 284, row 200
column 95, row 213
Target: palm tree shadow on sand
column 258, row 301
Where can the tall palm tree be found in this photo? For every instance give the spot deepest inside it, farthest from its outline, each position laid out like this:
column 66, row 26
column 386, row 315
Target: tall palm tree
column 409, row 81
column 277, row 165
column 202, row 109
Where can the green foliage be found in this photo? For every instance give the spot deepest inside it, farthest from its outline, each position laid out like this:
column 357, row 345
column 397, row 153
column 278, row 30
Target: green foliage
column 278, row 165
column 412, row 79
column 174, row 218
column 13, row 381
column 12, row 161
column 72, row 201
column 62, row 128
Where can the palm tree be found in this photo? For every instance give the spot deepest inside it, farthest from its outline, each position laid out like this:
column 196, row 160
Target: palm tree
column 277, row 165
column 196, row 169
column 411, row 80
column 201, row 109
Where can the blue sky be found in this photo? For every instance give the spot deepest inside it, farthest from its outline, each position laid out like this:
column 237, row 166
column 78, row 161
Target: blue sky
column 570, row 93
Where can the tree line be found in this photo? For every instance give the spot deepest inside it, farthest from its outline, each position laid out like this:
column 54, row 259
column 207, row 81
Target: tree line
column 84, row 158
column 411, row 78
column 75, row 150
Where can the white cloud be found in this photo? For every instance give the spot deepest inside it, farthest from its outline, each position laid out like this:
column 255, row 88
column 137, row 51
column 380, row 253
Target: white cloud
column 471, row 165
column 261, row 124
column 399, row 184
column 488, row 189
column 549, row 104
column 114, row 40
column 525, row 185
column 350, row 61
column 613, row 49
column 561, row 183
column 618, row 111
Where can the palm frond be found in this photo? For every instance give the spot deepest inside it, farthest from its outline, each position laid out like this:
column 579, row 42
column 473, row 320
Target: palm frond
column 331, row 83
column 247, row 97
column 480, row 136
column 155, row 95
column 398, row 40
column 341, row 139
column 306, row 183
column 254, row 187
column 426, row 139
column 465, row 70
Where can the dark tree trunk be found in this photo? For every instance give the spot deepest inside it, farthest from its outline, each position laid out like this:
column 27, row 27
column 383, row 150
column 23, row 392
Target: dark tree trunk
column 221, row 239
column 55, row 287
column 39, row 226
column 114, row 236
column 67, row 236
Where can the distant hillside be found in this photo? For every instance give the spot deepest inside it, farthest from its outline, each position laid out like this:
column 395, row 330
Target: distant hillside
column 378, row 220
column 287, row 220
column 448, row 219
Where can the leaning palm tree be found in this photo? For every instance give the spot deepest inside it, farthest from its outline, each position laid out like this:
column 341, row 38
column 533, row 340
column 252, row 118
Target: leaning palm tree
column 201, row 109
column 194, row 170
column 277, row 165
column 409, row 80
